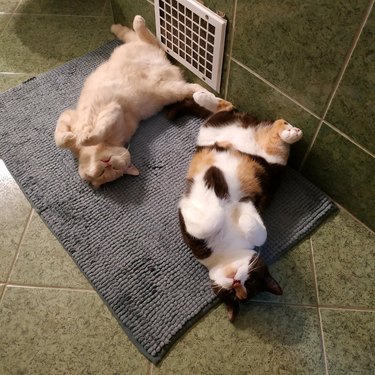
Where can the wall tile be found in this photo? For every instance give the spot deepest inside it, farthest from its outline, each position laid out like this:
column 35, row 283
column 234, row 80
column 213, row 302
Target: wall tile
column 125, row 10
column 298, row 46
column 87, row 8
column 252, row 95
column 345, row 172
column 353, row 109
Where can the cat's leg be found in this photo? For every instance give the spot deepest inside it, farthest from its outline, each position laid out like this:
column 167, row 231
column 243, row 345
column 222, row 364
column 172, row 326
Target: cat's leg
column 143, row 33
column 64, row 137
column 211, row 102
column 124, row 33
column 251, row 224
column 109, row 119
column 288, row 133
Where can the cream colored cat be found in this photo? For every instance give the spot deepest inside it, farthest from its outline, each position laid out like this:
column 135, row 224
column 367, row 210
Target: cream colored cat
column 134, row 84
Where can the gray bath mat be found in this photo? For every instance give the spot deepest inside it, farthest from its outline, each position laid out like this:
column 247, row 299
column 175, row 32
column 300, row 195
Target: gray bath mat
column 125, row 237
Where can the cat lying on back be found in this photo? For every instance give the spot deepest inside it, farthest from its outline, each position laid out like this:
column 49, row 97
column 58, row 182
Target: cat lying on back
column 232, row 175
column 134, row 84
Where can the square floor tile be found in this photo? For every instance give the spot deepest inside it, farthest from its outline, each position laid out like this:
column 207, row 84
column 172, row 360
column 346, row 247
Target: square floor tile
column 43, row 261
column 265, row 339
column 344, row 258
column 299, row 47
column 353, row 106
column 48, row 42
column 252, row 95
column 295, row 275
column 4, row 18
column 10, row 80
column 75, row 8
column 8, row 6
column 51, row 331
column 345, row 172
column 14, row 210
column 350, row 341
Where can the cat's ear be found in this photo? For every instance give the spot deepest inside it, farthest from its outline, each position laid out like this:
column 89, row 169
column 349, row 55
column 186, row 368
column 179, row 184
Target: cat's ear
column 132, row 170
column 272, row 286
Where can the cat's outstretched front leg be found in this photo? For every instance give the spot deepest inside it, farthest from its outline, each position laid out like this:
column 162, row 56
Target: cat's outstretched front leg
column 64, row 137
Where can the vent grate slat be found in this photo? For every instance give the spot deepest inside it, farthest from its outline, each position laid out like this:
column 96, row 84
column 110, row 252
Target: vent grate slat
column 194, row 36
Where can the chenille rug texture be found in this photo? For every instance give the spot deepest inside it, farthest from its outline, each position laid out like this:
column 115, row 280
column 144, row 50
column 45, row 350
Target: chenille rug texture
column 125, row 237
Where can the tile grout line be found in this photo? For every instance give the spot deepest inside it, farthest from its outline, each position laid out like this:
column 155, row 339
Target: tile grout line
column 276, row 88
column 28, row 221
column 230, row 50
column 100, row 17
column 347, row 308
column 50, row 287
column 349, row 138
column 339, row 79
column 320, row 322
column 353, row 217
column 10, row 18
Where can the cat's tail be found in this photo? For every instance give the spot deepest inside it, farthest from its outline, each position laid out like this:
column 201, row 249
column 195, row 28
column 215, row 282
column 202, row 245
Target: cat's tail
column 203, row 209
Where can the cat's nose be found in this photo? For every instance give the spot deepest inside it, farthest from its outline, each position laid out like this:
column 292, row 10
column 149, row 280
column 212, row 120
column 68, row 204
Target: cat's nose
column 106, row 162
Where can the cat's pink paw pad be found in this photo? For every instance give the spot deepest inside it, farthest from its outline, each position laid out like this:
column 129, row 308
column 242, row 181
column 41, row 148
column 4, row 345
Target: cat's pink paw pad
column 291, row 134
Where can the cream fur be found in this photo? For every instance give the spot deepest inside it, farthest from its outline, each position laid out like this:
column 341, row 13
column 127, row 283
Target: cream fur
column 135, row 83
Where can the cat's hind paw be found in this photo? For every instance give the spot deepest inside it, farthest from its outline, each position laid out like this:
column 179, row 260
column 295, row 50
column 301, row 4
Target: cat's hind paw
column 209, row 101
column 287, row 132
column 138, row 22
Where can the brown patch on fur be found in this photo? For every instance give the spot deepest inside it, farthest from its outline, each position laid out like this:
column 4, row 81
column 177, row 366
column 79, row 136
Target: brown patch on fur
column 224, row 105
column 247, row 120
column 197, row 246
column 189, row 185
column 224, row 144
column 214, row 179
column 202, row 159
column 248, row 171
column 186, row 107
column 269, row 139
column 241, row 292
column 220, row 119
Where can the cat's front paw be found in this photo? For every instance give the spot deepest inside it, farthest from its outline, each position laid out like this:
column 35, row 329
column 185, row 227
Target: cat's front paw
column 87, row 139
column 65, row 139
column 288, row 133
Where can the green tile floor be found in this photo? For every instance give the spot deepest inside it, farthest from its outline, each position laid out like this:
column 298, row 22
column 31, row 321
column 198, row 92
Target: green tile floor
column 51, row 320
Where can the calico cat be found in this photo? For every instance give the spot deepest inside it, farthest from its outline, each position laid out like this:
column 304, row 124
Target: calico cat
column 232, row 176
column 135, row 83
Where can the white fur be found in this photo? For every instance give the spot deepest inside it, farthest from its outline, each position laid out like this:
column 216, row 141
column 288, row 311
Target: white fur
column 210, row 218
column 135, row 83
column 242, row 139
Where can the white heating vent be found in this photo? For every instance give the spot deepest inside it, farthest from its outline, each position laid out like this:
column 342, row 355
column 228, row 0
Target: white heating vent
column 193, row 35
